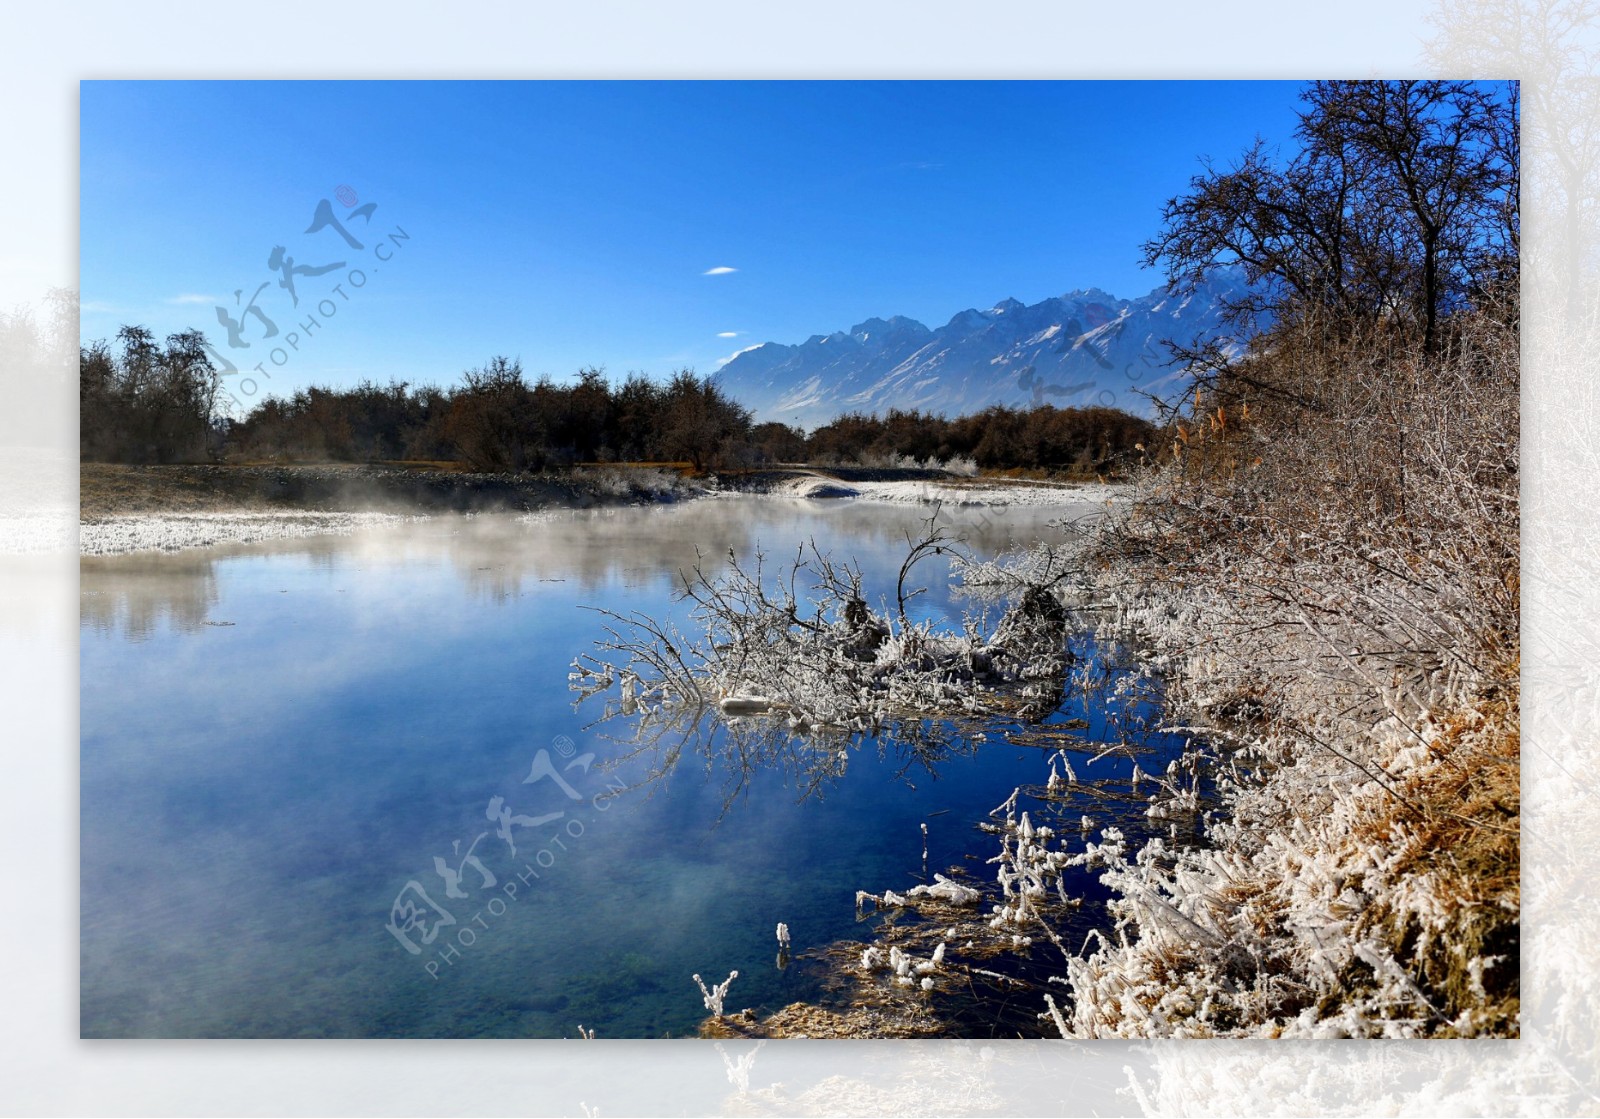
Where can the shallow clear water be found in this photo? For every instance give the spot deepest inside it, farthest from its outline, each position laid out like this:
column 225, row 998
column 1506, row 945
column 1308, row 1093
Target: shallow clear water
column 279, row 740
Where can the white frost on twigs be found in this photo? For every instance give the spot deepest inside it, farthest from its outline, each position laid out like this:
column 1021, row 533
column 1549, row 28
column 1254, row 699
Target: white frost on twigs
column 946, row 890
column 714, row 995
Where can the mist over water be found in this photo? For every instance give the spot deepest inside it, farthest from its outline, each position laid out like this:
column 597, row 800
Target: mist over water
column 278, row 738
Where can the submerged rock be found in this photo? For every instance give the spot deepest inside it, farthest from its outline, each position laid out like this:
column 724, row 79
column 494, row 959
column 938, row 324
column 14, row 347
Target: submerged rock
column 746, row 705
column 864, row 633
column 1031, row 641
column 824, row 488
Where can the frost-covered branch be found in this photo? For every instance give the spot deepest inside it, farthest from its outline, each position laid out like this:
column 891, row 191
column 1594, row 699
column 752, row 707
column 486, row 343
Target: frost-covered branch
column 802, row 648
column 713, row 996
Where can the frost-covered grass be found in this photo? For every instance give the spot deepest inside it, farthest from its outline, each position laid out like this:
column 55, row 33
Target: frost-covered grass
column 37, row 532
column 1337, row 602
column 171, row 532
column 979, row 492
column 1327, row 906
column 964, row 465
column 633, row 483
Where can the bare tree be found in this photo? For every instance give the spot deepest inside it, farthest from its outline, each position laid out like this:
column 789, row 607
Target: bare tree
column 699, row 422
column 1400, row 205
column 148, row 402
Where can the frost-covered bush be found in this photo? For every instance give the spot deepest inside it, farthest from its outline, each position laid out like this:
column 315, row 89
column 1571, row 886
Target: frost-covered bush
column 805, row 651
column 1331, row 602
column 639, row 483
column 1335, row 595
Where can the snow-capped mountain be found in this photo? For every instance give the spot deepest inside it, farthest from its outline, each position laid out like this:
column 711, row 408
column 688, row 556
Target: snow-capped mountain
column 1082, row 348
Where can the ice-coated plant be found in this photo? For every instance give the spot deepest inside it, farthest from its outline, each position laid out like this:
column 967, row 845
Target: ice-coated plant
column 802, row 651
column 946, row 890
column 713, row 996
column 1333, row 603
column 902, row 969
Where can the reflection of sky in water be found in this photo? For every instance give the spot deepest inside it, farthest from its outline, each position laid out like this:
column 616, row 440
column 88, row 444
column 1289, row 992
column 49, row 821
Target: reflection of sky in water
column 255, row 795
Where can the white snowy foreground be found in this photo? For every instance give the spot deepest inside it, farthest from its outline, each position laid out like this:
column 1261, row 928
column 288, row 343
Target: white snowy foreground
column 171, row 532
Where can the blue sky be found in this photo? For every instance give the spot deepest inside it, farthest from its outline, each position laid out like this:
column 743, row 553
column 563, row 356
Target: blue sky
column 574, row 223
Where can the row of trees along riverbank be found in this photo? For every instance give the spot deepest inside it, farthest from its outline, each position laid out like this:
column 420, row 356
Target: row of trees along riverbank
column 142, row 402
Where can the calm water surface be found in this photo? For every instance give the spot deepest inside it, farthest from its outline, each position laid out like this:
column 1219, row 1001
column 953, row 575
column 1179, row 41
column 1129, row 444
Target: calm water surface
column 279, row 741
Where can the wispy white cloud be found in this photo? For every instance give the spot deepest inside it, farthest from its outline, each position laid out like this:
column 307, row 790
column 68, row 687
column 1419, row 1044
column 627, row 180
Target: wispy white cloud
column 728, row 334
column 719, row 270
column 922, row 165
column 724, row 361
column 186, row 298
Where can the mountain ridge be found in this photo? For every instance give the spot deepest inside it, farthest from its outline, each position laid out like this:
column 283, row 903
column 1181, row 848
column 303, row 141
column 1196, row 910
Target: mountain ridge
column 1085, row 347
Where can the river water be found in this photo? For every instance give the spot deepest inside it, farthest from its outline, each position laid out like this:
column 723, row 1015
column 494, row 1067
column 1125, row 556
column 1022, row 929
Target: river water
column 336, row 787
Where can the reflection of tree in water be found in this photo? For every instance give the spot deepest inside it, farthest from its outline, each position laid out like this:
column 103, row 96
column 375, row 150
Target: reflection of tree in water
column 597, row 549
column 501, row 558
column 132, row 595
column 594, row 549
column 741, row 748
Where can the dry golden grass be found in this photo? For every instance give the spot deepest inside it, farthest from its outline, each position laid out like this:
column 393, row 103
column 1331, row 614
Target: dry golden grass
column 1463, row 852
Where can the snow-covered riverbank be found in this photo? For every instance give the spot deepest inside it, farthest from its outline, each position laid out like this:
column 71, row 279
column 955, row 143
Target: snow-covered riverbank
column 977, row 491
column 125, row 509
column 203, row 515
column 171, row 532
